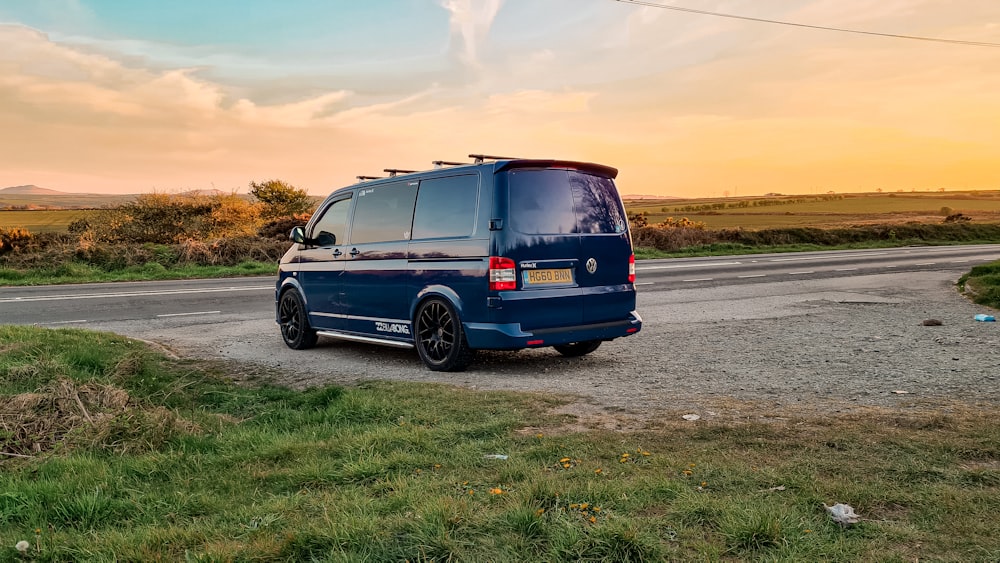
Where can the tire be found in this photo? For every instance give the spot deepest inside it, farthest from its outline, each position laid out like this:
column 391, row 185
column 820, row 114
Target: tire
column 294, row 321
column 577, row 349
column 439, row 337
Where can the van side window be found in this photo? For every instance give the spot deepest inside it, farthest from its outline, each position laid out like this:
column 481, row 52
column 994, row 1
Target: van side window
column 331, row 227
column 446, row 207
column 383, row 213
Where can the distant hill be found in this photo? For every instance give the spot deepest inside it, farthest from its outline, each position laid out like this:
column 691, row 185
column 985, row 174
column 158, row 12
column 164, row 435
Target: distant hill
column 642, row 196
column 30, row 190
column 209, row 192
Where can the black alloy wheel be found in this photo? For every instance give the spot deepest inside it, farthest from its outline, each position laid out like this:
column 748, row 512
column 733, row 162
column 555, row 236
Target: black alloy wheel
column 577, row 349
column 439, row 337
column 295, row 329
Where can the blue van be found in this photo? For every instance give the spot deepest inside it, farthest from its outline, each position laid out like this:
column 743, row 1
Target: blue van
column 498, row 254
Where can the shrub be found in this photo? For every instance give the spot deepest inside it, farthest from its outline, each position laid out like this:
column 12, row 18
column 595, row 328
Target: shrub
column 169, row 219
column 280, row 198
column 280, row 227
column 14, row 238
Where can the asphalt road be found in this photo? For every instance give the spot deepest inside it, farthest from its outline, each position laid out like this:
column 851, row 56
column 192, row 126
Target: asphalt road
column 194, row 302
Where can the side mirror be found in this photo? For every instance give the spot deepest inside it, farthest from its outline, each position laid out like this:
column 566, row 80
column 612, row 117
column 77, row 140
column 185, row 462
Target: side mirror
column 298, row 235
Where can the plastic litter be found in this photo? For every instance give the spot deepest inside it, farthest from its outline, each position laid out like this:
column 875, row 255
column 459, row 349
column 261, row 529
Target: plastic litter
column 986, row 318
column 691, row 417
column 842, row 514
column 495, row 456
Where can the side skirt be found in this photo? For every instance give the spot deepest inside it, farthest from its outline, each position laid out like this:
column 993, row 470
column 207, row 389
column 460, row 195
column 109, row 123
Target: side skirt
column 367, row 339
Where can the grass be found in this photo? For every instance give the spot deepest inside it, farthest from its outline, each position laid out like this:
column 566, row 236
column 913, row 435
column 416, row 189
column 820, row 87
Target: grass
column 114, row 452
column 982, row 284
column 81, row 272
column 43, row 221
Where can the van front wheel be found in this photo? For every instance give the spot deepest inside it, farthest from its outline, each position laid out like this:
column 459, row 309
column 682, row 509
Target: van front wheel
column 294, row 321
column 439, row 337
column 577, row 349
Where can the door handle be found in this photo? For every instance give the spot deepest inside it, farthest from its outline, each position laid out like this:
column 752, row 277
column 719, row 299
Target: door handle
column 355, row 252
column 337, row 253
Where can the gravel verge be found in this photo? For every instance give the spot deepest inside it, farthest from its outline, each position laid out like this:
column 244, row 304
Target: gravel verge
column 810, row 347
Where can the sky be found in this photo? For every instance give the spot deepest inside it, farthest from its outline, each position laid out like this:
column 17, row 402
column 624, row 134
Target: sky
column 113, row 96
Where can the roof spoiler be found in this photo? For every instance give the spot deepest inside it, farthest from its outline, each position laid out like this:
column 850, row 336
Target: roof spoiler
column 593, row 168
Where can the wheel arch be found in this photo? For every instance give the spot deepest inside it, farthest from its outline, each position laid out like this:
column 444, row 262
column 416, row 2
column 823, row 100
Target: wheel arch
column 288, row 284
column 439, row 291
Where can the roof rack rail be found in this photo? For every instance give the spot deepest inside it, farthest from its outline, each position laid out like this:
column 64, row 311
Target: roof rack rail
column 483, row 157
column 442, row 163
column 363, row 178
column 394, row 171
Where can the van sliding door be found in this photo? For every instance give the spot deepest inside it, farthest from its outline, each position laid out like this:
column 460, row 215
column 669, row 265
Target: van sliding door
column 375, row 276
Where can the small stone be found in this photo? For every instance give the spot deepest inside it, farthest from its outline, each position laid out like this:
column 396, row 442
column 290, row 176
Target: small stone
column 932, row 322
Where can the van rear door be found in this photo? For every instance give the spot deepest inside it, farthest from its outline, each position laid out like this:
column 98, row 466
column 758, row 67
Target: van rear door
column 567, row 234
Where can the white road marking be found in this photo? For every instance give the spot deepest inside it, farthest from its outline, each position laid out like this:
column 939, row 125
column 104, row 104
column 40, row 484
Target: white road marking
column 925, row 264
column 65, row 322
column 134, row 294
column 189, row 314
column 845, row 270
column 644, row 283
column 676, row 266
column 699, row 280
column 801, row 273
column 752, row 276
column 960, row 261
column 803, row 258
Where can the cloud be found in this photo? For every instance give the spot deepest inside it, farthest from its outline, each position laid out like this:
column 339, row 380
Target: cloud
column 470, row 22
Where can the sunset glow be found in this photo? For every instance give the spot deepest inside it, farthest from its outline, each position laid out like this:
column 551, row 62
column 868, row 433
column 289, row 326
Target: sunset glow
column 128, row 97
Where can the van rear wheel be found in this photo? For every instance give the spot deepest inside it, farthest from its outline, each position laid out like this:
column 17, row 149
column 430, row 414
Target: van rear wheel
column 294, row 321
column 439, row 337
column 577, row 349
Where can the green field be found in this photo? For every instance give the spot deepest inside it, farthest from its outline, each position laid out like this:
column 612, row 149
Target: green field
column 43, row 221
column 823, row 210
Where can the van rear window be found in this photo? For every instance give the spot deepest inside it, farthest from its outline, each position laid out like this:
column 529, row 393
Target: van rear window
column 553, row 201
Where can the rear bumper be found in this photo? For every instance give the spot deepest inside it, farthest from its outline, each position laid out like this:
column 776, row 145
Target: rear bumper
column 492, row 336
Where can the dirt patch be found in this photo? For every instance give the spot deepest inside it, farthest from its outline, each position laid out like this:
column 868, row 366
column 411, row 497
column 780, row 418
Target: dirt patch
column 65, row 413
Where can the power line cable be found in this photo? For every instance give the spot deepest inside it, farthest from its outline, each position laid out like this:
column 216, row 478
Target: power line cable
column 808, row 26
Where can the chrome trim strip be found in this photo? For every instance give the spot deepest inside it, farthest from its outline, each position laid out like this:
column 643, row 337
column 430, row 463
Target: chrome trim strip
column 357, row 318
column 366, row 339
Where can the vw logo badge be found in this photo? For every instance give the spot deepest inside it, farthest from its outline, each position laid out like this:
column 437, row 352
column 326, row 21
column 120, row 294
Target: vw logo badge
column 591, row 265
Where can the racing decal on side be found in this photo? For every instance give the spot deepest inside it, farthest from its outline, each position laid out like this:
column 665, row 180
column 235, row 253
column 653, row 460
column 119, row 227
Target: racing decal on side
column 392, row 328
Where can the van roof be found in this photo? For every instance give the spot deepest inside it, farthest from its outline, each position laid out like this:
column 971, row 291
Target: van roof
column 499, row 164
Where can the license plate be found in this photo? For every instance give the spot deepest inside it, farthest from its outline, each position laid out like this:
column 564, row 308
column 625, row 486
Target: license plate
column 548, row 277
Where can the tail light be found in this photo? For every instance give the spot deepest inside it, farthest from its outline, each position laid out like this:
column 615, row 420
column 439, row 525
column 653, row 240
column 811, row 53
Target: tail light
column 502, row 274
column 631, row 269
